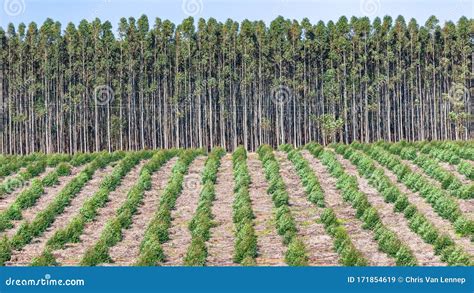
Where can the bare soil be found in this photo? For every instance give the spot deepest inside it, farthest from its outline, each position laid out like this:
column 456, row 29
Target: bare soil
column 424, row 207
column 363, row 239
column 186, row 204
column 319, row 244
column 126, row 252
column 394, row 221
column 9, row 198
column 35, row 248
column 466, row 206
column 271, row 251
column 453, row 169
column 43, row 201
column 72, row 254
column 221, row 244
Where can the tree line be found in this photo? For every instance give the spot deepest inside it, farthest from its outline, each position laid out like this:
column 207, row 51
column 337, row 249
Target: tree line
column 206, row 83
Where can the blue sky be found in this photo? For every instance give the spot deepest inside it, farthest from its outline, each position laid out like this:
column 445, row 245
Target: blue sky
column 65, row 11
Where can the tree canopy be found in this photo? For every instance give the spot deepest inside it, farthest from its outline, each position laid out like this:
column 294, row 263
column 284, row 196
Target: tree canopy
column 205, row 83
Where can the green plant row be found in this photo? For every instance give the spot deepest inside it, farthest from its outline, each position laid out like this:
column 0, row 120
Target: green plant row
column 112, row 233
column 32, row 169
column 10, row 184
column 444, row 205
column 245, row 246
column 449, row 156
column 467, row 169
column 11, row 164
column 465, row 151
column 418, row 223
column 201, row 223
column 29, row 230
column 431, row 167
column 296, row 254
column 28, row 197
column 90, row 207
column 157, row 231
column 349, row 255
column 305, row 172
column 387, row 240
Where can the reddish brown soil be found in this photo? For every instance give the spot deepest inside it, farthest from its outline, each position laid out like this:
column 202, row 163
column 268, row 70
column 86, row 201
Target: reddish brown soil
column 318, row 243
column 363, row 239
column 186, row 204
column 221, row 244
column 394, row 221
column 271, row 251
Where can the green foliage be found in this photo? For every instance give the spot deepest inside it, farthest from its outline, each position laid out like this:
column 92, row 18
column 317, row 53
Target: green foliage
column 285, row 222
column 197, row 252
column 89, row 209
column 308, row 178
column 296, row 254
column 5, row 250
column 46, row 259
column 349, row 255
column 29, row 230
column 245, row 246
column 443, row 205
column 433, row 169
column 201, row 222
column 112, row 232
column 151, row 253
column 387, row 240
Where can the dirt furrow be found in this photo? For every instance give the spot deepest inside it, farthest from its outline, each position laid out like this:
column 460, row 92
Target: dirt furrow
column 442, row 224
column 73, row 252
column 43, row 201
column 394, row 221
column 8, row 199
column 186, row 204
column 271, row 251
column 362, row 239
column 221, row 244
column 466, row 206
column 126, row 252
column 318, row 242
column 24, row 256
column 453, row 169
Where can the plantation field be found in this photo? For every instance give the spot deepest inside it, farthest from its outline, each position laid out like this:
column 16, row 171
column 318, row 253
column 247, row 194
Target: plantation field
column 382, row 204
